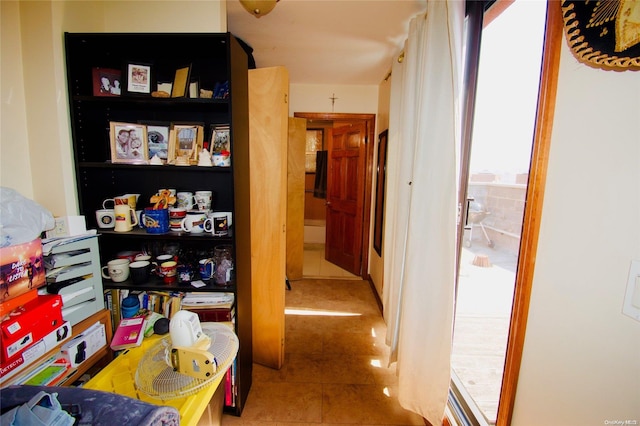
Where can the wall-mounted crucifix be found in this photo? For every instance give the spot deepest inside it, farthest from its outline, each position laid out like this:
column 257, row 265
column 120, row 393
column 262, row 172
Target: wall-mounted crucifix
column 333, row 101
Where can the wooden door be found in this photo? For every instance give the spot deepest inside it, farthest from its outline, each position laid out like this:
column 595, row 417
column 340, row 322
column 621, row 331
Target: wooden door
column 268, row 133
column 295, row 197
column 345, row 196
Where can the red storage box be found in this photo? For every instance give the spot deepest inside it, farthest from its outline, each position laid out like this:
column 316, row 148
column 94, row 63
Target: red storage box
column 30, row 323
column 21, row 269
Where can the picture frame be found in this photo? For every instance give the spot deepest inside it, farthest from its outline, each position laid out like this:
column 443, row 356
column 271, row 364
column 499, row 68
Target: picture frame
column 180, row 86
column 128, row 143
column 185, row 142
column 139, row 79
column 220, row 139
column 381, row 174
column 106, row 81
column 158, row 136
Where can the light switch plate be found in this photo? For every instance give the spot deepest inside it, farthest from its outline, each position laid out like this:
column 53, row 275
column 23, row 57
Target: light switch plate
column 631, row 306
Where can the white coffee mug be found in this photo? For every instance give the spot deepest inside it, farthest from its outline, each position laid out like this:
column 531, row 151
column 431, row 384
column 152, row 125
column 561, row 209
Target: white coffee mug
column 106, row 218
column 218, row 223
column 185, row 200
column 117, row 270
column 203, row 200
column 126, row 218
column 194, row 222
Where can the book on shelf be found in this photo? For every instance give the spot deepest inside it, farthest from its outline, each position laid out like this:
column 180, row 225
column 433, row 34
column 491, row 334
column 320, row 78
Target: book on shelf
column 129, row 333
column 50, row 373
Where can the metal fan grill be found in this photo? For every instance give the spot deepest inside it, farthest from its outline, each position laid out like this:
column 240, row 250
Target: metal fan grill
column 155, row 375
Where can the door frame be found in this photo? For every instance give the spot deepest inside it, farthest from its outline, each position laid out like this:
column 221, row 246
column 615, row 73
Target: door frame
column 370, row 121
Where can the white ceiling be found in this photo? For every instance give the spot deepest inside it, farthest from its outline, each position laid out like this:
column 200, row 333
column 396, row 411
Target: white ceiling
column 348, row 42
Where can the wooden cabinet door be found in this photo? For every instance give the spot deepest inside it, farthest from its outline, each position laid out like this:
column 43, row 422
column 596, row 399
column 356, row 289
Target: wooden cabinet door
column 268, row 134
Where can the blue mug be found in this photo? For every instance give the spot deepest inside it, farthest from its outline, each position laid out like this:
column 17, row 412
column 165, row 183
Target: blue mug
column 206, row 267
column 156, row 221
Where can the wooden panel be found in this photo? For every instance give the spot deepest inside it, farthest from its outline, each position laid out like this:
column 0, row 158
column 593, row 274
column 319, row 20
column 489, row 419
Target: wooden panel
column 295, row 197
column 268, row 134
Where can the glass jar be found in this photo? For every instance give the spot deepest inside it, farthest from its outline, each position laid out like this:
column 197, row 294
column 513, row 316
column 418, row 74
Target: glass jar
column 223, row 259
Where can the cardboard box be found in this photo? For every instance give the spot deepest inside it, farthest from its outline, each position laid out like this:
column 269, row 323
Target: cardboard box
column 67, row 226
column 30, row 323
column 81, row 347
column 12, row 366
column 21, row 269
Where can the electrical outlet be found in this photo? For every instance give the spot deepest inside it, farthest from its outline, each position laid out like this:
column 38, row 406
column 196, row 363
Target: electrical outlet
column 631, row 306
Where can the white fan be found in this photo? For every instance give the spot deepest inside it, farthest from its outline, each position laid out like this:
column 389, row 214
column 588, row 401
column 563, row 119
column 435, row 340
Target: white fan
column 189, row 359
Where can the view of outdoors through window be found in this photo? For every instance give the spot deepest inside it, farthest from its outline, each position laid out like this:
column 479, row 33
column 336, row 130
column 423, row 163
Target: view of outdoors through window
column 509, row 74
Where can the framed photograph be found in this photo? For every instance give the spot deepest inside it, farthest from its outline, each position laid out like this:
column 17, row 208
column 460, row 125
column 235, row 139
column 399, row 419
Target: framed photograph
column 180, row 86
column 158, row 139
column 128, row 143
column 106, row 82
column 381, row 174
column 220, row 139
column 139, row 79
column 185, row 142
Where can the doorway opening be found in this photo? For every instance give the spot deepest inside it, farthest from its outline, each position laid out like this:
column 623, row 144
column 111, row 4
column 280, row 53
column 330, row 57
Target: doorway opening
column 337, row 216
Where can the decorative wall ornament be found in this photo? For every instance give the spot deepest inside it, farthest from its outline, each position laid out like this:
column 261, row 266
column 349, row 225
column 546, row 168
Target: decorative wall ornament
column 604, row 33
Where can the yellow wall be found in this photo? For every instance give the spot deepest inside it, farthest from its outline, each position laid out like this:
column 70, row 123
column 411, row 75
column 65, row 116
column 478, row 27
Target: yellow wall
column 36, row 156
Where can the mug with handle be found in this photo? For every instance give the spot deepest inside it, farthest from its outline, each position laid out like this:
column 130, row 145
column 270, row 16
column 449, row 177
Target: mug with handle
column 126, row 218
column 194, row 222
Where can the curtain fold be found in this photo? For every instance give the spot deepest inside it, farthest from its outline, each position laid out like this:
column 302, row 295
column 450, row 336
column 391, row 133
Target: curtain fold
column 420, row 253
column 320, row 182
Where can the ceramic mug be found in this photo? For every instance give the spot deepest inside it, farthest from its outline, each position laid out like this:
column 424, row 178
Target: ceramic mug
column 176, row 214
column 106, row 218
column 168, row 271
column 194, row 222
column 128, row 199
column 218, row 223
column 117, row 270
column 156, row 221
column 203, row 200
column 139, row 271
column 185, row 200
column 126, row 218
column 206, row 267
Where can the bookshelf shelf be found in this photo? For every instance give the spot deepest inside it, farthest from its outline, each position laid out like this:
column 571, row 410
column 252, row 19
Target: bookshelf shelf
column 215, row 58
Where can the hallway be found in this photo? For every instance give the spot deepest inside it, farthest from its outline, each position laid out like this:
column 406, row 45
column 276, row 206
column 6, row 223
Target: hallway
column 335, row 363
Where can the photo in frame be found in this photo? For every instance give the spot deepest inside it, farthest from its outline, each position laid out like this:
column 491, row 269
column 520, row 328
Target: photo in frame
column 139, row 79
column 106, row 82
column 220, row 139
column 185, row 142
column 179, row 89
column 381, row 174
column 128, row 143
column 158, row 138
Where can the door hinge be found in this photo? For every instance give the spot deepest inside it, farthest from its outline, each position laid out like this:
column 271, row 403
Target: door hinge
column 285, row 98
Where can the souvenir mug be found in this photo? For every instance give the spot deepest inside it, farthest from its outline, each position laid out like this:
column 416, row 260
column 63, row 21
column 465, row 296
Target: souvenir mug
column 203, row 200
column 128, row 199
column 176, row 214
column 194, row 222
column 156, row 221
column 218, row 223
column 206, row 267
column 106, row 218
column 168, row 271
column 126, row 218
column 117, row 270
column 185, row 200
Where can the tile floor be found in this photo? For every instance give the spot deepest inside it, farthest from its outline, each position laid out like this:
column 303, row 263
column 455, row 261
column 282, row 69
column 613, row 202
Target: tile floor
column 335, row 358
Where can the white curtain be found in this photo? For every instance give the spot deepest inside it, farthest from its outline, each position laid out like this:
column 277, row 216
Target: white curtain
column 420, row 224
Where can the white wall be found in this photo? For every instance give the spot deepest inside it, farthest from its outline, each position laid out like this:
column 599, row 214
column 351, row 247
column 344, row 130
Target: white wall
column 349, row 99
column 35, row 145
column 581, row 360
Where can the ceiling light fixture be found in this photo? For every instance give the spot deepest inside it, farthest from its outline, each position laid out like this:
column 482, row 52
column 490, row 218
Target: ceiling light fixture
column 258, row 8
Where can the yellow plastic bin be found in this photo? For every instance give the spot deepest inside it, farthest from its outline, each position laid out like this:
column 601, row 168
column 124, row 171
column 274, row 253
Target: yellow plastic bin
column 119, row 377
